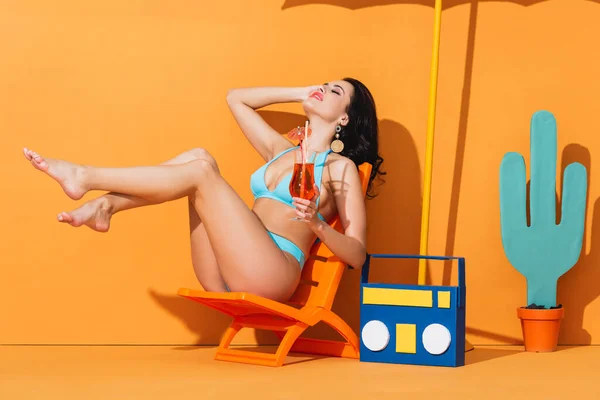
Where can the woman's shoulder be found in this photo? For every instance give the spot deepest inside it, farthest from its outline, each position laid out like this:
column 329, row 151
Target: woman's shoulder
column 337, row 160
column 340, row 167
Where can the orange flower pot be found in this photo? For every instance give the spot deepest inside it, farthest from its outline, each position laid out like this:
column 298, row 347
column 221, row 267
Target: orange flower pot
column 540, row 328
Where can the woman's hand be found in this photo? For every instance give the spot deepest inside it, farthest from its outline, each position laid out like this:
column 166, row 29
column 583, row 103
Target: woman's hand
column 298, row 133
column 307, row 210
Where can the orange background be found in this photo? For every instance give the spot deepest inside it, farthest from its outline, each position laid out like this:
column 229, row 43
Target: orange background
column 118, row 83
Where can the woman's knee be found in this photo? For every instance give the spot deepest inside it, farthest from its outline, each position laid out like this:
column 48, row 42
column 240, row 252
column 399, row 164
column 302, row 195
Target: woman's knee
column 209, row 160
column 203, row 170
column 201, row 154
column 197, row 154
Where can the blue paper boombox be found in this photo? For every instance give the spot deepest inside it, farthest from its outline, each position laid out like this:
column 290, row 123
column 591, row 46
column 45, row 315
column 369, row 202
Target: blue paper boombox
column 412, row 324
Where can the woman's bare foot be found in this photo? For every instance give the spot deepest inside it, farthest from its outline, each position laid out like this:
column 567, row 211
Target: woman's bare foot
column 94, row 214
column 68, row 175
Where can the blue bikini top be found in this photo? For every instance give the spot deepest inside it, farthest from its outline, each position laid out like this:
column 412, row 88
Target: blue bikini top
column 282, row 192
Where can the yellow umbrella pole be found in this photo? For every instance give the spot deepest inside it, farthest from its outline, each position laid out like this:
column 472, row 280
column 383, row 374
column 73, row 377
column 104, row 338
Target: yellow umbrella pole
column 433, row 78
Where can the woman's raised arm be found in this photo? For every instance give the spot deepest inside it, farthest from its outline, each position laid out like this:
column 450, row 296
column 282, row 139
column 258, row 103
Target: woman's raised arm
column 243, row 104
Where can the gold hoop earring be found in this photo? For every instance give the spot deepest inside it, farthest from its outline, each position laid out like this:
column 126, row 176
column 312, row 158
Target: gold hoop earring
column 337, row 145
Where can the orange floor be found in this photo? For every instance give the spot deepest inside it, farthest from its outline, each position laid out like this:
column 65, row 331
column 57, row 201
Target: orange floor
column 164, row 372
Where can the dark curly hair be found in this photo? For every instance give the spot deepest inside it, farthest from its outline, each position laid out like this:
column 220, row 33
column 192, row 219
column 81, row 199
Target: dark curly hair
column 361, row 135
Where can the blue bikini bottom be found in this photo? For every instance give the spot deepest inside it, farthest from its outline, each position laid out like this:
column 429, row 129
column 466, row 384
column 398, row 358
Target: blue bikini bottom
column 289, row 247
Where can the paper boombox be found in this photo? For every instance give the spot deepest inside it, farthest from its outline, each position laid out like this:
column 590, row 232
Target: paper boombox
column 412, row 324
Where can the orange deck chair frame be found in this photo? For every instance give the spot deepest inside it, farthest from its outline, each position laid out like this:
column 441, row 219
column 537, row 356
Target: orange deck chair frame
column 309, row 305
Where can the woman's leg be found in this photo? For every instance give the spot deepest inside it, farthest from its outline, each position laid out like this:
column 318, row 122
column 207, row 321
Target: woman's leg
column 248, row 258
column 156, row 184
column 98, row 212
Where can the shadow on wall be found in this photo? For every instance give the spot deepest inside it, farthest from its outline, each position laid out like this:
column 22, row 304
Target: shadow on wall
column 358, row 4
column 204, row 322
column 464, row 108
column 483, row 355
column 574, row 289
column 207, row 324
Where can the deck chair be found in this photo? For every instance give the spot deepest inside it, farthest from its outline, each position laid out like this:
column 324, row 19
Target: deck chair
column 309, row 305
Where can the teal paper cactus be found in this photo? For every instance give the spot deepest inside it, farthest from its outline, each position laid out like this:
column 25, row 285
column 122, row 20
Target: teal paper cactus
column 544, row 251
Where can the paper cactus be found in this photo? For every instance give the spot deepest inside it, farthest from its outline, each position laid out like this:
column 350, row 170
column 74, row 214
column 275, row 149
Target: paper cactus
column 544, row 251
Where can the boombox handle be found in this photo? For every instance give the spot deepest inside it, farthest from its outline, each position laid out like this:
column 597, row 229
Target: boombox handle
column 461, row 265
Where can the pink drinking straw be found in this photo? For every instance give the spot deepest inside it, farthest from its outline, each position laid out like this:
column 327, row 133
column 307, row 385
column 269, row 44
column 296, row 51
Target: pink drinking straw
column 303, row 149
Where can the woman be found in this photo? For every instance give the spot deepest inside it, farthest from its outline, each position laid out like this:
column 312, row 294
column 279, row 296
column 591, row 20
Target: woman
column 262, row 250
